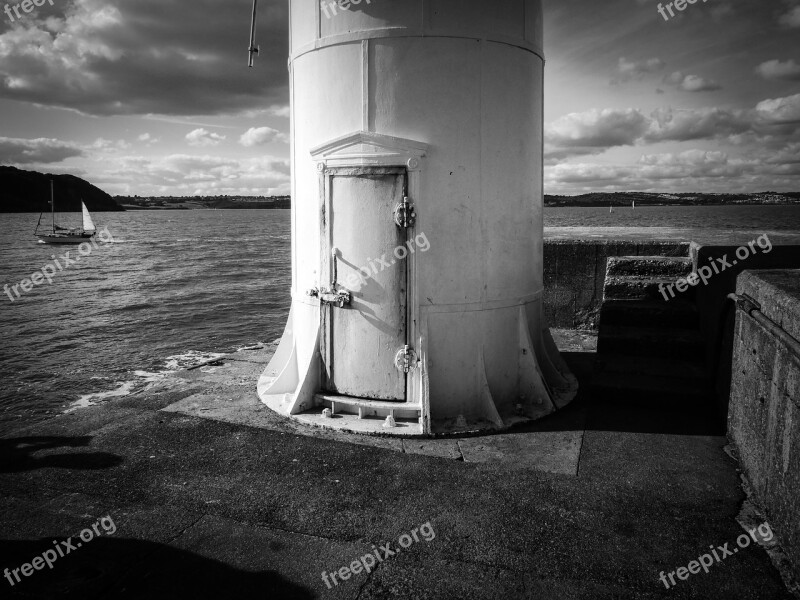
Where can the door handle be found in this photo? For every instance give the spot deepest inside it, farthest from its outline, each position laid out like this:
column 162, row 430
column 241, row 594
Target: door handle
column 339, row 298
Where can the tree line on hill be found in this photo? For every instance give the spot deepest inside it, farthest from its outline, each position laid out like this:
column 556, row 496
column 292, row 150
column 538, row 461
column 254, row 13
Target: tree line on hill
column 29, row 191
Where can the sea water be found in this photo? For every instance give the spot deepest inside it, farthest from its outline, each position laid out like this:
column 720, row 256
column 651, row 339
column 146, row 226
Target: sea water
column 175, row 288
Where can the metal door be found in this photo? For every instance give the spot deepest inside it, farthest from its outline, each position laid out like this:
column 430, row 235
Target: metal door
column 361, row 339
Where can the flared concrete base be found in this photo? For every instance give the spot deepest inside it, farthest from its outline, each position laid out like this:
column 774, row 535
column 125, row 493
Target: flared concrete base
column 513, row 376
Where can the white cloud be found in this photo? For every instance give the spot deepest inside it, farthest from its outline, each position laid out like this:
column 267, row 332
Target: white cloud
column 775, row 69
column 632, row 70
column 203, row 137
column 687, row 158
column 780, row 110
column 184, row 174
column 40, row 150
column 258, row 136
column 688, row 171
column 596, row 128
column 104, row 144
column 691, row 83
column 680, row 125
column 769, row 124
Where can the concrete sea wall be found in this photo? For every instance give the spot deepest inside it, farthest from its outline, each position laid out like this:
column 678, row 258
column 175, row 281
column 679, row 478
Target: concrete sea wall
column 575, row 270
column 764, row 411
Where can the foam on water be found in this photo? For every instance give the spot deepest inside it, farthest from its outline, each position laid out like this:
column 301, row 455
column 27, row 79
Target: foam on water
column 87, row 400
column 190, row 359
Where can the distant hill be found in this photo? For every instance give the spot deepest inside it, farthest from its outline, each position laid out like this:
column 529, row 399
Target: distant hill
column 661, row 199
column 29, row 191
column 202, row 202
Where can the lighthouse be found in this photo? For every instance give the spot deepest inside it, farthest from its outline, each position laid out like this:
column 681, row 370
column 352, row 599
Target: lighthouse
column 417, row 235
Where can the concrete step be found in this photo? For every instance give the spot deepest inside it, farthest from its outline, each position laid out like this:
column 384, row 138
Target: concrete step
column 686, row 344
column 630, row 287
column 647, row 390
column 649, row 266
column 623, row 366
column 676, row 313
column 364, row 409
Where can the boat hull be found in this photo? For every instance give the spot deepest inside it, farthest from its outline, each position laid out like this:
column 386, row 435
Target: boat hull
column 65, row 239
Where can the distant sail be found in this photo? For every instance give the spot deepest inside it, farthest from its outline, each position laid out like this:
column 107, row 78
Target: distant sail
column 88, row 224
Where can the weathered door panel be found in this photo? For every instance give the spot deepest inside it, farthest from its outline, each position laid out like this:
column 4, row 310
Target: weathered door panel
column 364, row 337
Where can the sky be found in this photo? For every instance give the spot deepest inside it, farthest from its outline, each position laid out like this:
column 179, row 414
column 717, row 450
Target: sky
column 154, row 97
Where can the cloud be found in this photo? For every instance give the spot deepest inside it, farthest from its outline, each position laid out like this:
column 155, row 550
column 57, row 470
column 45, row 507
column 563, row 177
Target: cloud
column 203, row 137
column 791, row 19
column 775, row 69
column 40, row 150
column 771, row 123
column 184, row 174
column 595, row 130
column 104, row 144
column 112, row 57
column 689, row 171
column 780, row 111
column 258, row 136
column 691, row 83
column 680, row 125
column 634, row 71
column 691, row 158
column 148, row 140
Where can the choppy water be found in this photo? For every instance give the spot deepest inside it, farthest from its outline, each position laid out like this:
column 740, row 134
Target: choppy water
column 175, row 287
column 762, row 219
column 171, row 289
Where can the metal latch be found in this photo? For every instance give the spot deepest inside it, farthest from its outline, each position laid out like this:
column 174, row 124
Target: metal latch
column 404, row 214
column 338, row 298
column 406, row 359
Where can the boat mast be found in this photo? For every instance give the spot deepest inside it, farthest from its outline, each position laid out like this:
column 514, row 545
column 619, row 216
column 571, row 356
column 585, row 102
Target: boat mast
column 52, row 206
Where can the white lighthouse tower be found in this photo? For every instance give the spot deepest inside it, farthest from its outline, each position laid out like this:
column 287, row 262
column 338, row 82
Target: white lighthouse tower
column 416, row 130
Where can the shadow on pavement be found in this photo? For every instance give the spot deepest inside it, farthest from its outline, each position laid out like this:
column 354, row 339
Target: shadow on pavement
column 126, row 568
column 16, row 454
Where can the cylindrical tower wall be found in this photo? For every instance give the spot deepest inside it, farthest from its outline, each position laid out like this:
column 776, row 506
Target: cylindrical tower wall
column 464, row 77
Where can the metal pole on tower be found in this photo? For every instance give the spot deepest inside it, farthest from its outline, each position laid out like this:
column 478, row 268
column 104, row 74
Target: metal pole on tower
column 252, row 48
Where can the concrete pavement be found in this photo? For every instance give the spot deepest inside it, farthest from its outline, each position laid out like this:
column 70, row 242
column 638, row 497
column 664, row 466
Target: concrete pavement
column 213, row 496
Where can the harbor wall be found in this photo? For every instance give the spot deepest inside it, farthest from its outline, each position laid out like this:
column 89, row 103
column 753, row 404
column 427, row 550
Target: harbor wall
column 575, row 271
column 764, row 411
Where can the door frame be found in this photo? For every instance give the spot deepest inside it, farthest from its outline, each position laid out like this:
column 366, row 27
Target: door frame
column 327, row 321
column 360, row 151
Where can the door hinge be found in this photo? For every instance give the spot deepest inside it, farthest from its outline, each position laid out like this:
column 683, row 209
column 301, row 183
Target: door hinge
column 406, row 359
column 404, row 214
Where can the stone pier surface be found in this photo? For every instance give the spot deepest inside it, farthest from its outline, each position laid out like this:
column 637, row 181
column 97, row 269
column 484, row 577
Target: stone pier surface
column 214, row 496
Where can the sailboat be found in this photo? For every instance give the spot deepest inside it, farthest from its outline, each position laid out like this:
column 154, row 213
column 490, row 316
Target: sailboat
column 65, row 235
column 633, row 204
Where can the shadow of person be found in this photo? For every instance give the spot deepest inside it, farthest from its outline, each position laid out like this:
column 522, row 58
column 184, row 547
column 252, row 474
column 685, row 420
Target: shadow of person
column 17, row 454
column 123, row 568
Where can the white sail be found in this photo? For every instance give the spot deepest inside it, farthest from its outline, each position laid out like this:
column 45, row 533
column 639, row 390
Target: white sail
column 88, row 224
